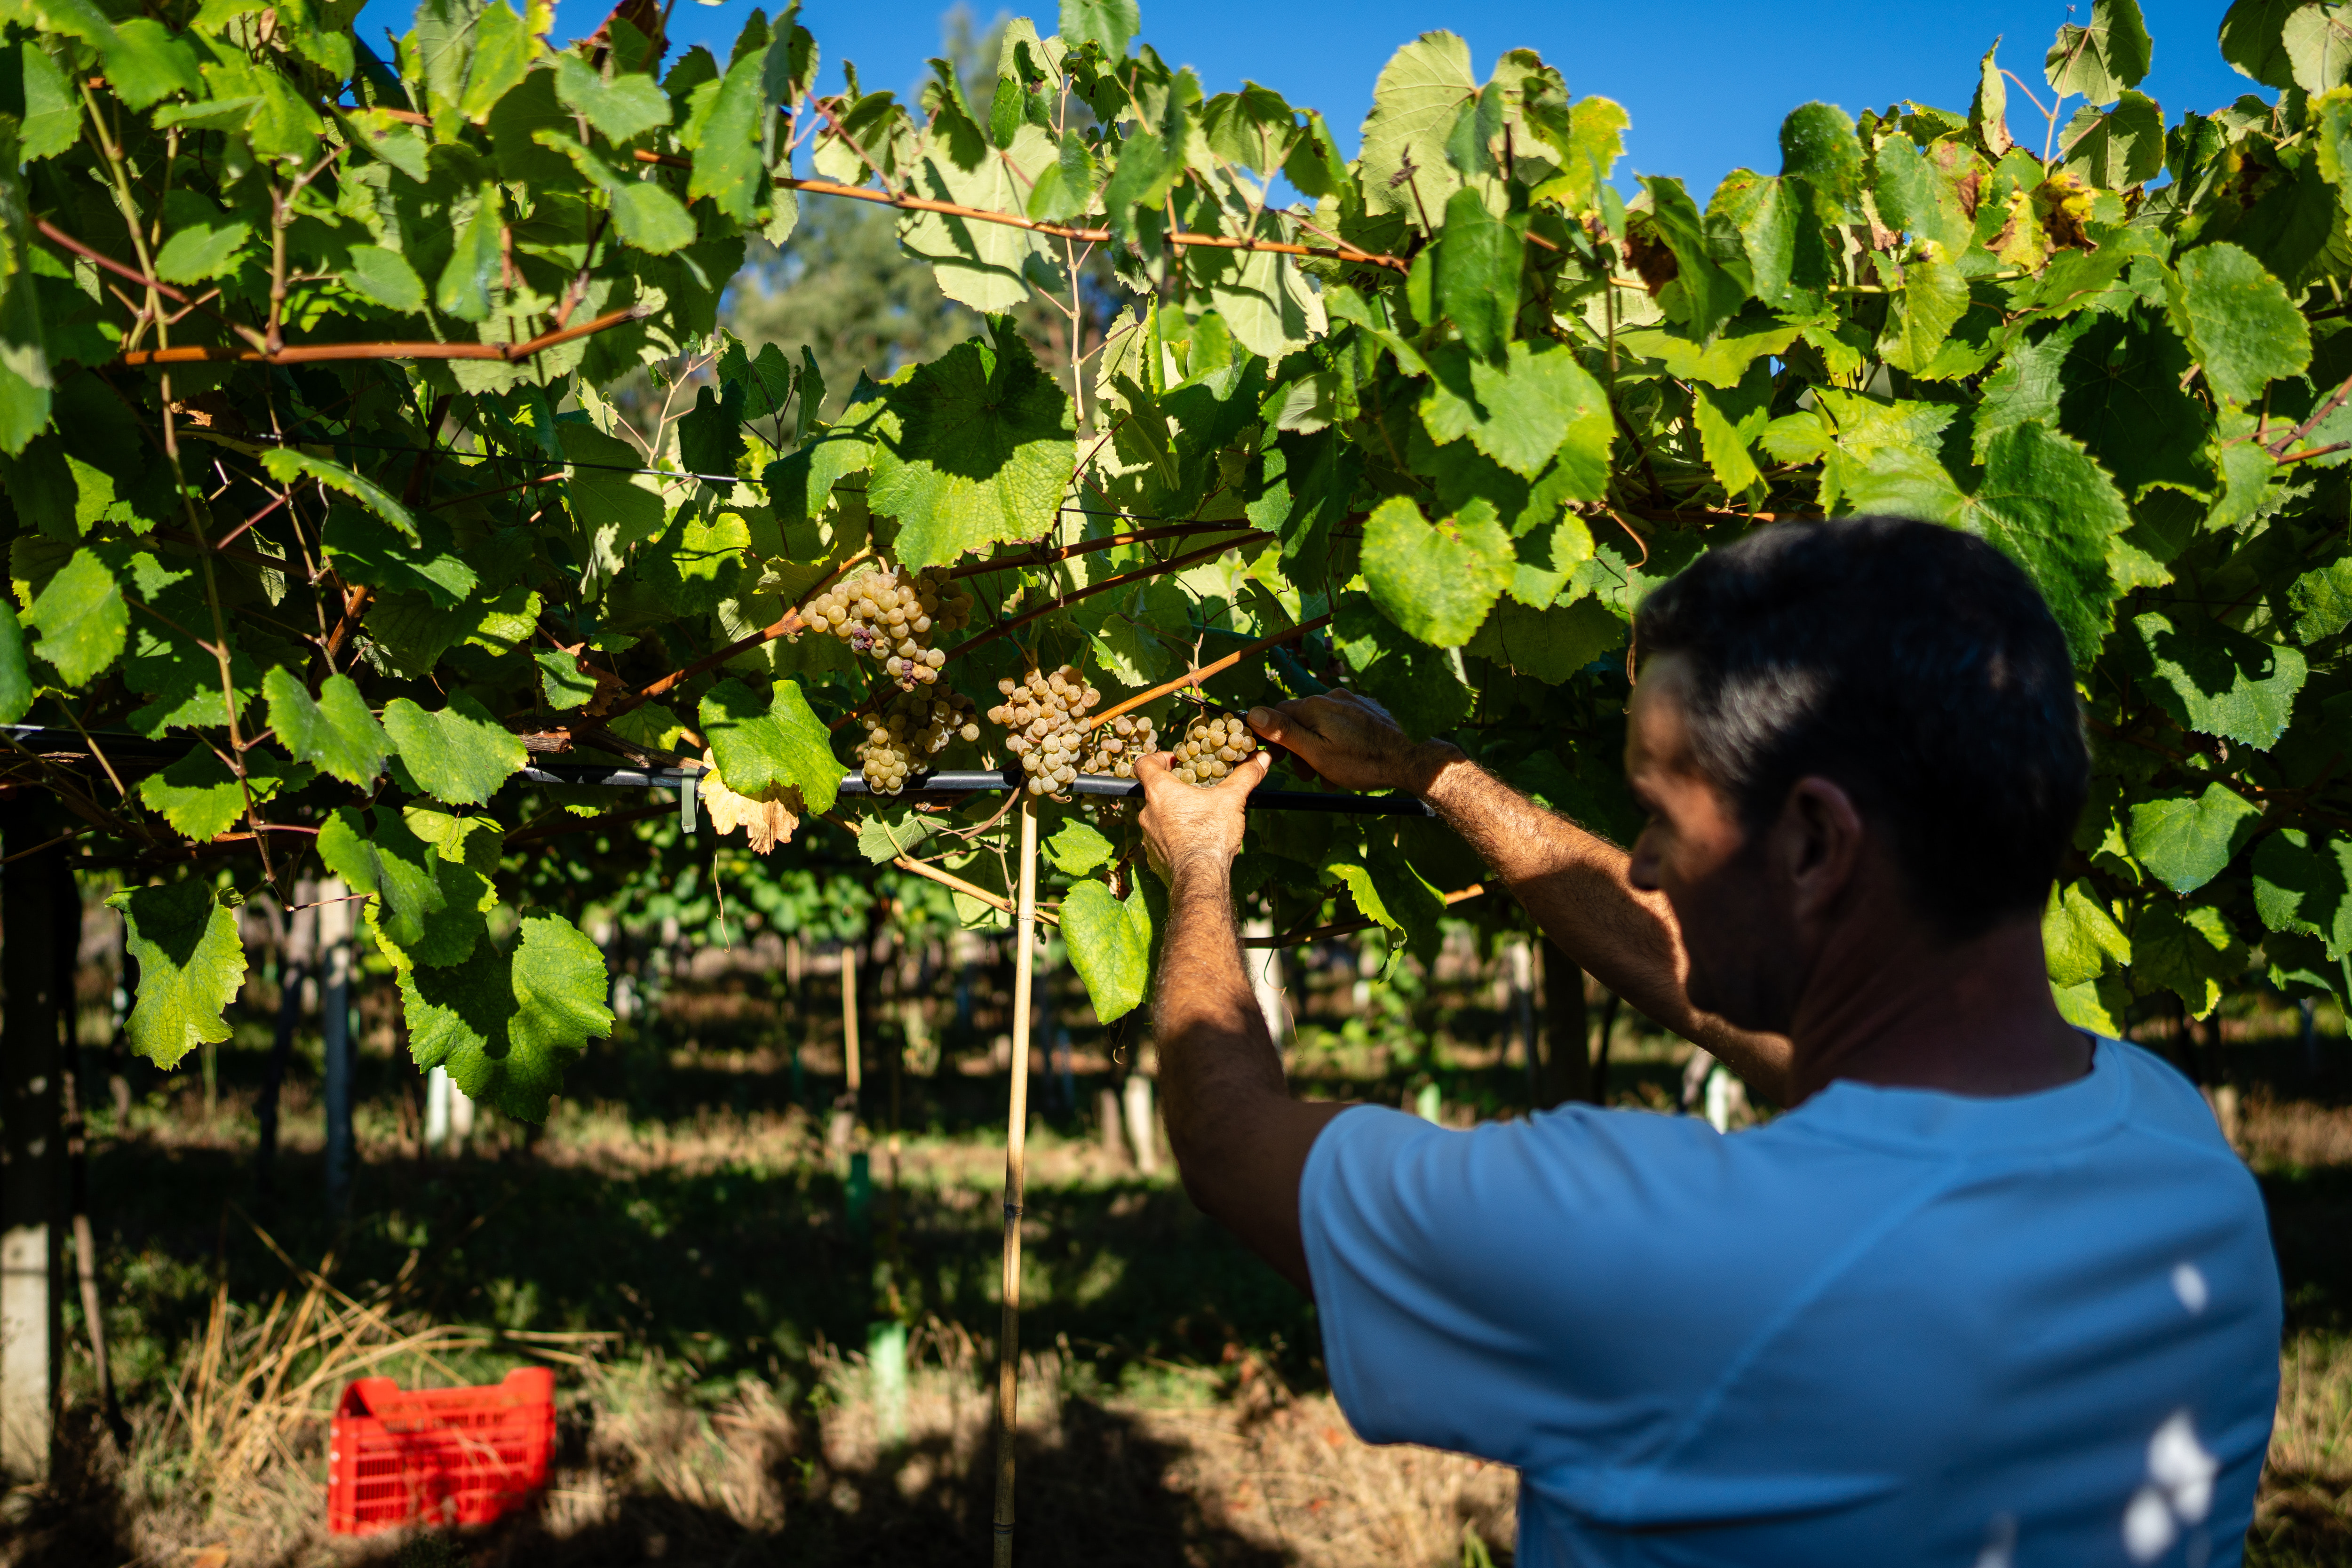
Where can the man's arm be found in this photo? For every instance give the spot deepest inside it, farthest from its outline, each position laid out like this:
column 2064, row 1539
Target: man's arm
column 1240, row 1141
column 1574, row 882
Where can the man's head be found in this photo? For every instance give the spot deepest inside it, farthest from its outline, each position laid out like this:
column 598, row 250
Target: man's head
column 1824, row 707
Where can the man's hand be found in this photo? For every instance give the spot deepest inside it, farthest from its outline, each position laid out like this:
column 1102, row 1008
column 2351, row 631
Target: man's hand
column 1183, row 822
column 1351, row 742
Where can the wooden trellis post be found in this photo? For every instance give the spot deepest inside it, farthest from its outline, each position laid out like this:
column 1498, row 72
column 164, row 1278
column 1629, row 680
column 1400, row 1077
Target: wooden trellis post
column 1016, row 1124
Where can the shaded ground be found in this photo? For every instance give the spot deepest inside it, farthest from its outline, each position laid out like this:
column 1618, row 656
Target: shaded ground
column 1174, row 1408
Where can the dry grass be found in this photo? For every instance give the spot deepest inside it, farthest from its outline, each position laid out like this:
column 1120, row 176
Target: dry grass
column 1185, row 1466
column 1230, row 1469
column 2276, row 1133
column 2306, row 1513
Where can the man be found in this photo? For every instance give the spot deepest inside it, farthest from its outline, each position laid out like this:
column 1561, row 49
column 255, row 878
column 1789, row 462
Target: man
column 1992, row 1292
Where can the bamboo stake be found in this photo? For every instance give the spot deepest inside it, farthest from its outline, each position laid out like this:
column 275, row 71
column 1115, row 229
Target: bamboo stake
column 1016, row 1125
column 851, row 1061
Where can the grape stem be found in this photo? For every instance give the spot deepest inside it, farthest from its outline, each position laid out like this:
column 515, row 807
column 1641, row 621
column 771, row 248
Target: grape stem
column 784, row 626
column 1200, row 673
column 1086, row 546
column 1292, row 938
column 1157, row 569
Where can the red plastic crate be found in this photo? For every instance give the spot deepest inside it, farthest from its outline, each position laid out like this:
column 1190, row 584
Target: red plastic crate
column 437, row 1456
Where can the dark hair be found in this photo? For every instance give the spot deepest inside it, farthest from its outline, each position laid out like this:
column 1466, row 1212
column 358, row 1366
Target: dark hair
column 1915, row 666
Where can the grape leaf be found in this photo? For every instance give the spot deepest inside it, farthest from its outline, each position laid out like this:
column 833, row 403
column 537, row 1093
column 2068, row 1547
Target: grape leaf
column 1416, row 101
column 725, row 138
column 457, row 753
column 975, row 450
column 1420, row 685
column 881, row 838
column 1109, row 23
column 2041, row 499
column 2303, row 884
column 2101, row 60
column 505, row 1026
column 384, row 277
column 145, row 64
column 202, row 250
column 1479, row 259
column 16, row 674
column 767, row 744
column 191, row 966
column 1109, row 945
column 2238, row 319
column 1914, row 196
column 2185, row 840
column 1549, row 644
column 2079, row 939
column 365, row 549
column 623, row 109
column 52, row 112
column 619, row 509
column 2253, row 40
column 1077, row 850
column 2120, row 148
column 1711, row 296
column 503, row 48
column 286, row 464
column 2318, row 46
column 2321, row 599
column 561, row 681
column 1818, row 145
column 1436, row 582
column 1523, row 410
column 1933, row 299
column 2188, row 950
column 201, row 799
column 336, row 733
column 464, row 291
column 81, row 618
column 982, row 265
column 389, row 863
column 2212, row 678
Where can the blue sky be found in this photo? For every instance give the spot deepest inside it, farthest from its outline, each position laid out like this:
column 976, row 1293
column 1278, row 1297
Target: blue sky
column 1706, row 82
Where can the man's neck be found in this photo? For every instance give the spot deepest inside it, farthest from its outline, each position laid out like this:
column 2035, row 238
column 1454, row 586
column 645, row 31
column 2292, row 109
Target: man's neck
column 1973, row 1019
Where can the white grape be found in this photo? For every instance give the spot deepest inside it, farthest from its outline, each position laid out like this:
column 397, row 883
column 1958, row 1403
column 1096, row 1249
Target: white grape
column 890, row 614
column 908, row 733
column 1211, row 747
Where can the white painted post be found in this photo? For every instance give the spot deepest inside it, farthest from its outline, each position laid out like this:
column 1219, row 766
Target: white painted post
column 1265, row 966
column 31, row 1329
column 437, row 1108
column 1143, row 1128
column 335, row 1026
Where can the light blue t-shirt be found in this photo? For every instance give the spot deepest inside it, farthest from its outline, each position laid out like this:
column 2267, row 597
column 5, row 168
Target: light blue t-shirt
column 1891, row 1327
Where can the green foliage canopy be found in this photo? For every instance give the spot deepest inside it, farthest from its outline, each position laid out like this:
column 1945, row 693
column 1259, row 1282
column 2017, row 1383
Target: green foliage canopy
column 317, row 487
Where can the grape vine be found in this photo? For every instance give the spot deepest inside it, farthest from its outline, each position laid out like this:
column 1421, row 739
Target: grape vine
column 370, row 439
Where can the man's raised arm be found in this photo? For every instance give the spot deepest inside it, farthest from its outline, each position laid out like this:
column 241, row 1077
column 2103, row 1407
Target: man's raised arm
column 1574, row 883
column 1240, row 1141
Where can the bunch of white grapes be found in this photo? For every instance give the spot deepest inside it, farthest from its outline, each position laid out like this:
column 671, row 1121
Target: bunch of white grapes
column 911, row 729
column 1042, row 712
column 1211, row 747
column 894, row 615
column 1118, row 744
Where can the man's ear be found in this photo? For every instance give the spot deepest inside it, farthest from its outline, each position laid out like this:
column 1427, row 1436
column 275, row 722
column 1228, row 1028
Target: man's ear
column 1821, row 840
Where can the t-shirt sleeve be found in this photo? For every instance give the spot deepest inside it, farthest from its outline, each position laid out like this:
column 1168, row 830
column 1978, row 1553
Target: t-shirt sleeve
column 1452, row 1268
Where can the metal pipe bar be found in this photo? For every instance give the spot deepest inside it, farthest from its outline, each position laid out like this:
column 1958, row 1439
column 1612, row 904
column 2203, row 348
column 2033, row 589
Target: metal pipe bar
column 953, row 781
